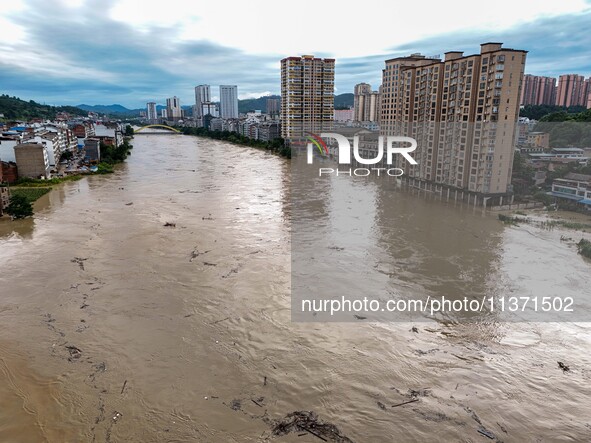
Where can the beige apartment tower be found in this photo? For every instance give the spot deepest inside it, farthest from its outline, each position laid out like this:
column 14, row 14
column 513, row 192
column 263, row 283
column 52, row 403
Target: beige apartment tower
column 538, row 90
column 462, row 111
column 572, row 91
column 366, row 103
column 307, row 96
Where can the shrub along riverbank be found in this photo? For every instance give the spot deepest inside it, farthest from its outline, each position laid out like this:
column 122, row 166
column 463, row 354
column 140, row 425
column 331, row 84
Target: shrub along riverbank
column 276, row 146
column 43, row 183
column 584, row 247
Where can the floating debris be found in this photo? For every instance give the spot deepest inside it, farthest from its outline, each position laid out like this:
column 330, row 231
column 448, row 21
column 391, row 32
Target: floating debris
column 564, row 367
column 75, row 353
column 236, row 405
column 308, row 421
column 486, row 433
column 79, row 261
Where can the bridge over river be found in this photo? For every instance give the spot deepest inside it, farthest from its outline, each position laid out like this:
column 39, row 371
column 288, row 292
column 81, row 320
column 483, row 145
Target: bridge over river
column 157, row 129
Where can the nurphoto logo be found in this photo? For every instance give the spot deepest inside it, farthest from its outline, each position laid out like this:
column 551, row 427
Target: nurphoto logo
column 394, row 145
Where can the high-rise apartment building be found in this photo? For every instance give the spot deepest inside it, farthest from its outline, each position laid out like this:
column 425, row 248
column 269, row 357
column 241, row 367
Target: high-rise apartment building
column 538, row 90
column 307, row 96
column 366, row 103
column 273, row 106
column 173, row 108
column 202, row 95
column 228, row 101
column 360, row 92
column 571, row 91
column 462, row 111
column 152, row 114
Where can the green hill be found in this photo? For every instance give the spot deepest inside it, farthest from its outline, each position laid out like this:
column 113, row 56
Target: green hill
column 343, row 101
column 254, row 104
column 14, row 108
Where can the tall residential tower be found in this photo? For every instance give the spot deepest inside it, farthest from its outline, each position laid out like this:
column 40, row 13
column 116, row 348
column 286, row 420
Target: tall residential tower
column 202, row 95
column 538, row 90
column 307, row 96
column 572, row 90
column 152, row 114
column 366, row 103
column 462, row 111
column 173, row 108
column 228, row 101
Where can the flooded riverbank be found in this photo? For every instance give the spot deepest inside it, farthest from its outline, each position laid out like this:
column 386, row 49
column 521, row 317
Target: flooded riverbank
column 116, row 328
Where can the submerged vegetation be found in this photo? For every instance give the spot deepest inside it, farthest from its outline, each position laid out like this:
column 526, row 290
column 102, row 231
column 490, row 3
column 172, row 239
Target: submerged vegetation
column 31, row 194
column 19, row 207
column 43, row 183
column 112, row 155
column 549, row 225
column 584, row 248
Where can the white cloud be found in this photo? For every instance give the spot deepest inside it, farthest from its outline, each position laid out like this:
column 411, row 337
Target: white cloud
column 253, row 95
column 311, row 26
column 10, row 32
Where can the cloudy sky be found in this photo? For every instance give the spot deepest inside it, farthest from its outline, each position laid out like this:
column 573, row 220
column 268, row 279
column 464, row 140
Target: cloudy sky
column 134, row 51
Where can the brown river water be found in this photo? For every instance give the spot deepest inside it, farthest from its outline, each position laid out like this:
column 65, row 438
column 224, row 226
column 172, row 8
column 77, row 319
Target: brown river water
column 115, row 328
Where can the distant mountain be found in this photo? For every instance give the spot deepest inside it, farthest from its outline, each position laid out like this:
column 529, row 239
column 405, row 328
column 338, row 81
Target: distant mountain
column 254, row 104
column 14, row 108
column 106, row 109
column 343, row 101
column 250, row 104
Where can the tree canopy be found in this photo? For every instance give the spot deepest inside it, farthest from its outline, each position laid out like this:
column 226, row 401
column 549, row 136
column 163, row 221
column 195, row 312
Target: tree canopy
column 19, row 207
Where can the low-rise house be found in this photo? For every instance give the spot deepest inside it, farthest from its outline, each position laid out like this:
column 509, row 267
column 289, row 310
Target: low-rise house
column 9, row 172
column 538, row 140
column 32, row 160
column 269, row 131
column 92, row 148
column 576, row 153
column 573, row 187
column 216, row 124
column 7, row 144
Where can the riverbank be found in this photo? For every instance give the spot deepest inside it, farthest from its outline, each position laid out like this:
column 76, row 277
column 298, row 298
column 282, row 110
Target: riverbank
column 276, row 146
column 33, row 189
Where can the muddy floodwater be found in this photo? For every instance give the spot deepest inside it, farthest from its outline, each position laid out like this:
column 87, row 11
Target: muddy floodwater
column 117, row 328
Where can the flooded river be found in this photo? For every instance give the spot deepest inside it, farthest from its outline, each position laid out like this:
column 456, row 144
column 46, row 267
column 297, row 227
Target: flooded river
column 116, row 328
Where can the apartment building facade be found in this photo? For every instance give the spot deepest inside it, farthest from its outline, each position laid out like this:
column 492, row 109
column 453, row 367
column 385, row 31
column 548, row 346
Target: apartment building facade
column 173, row 108
column 32, row 160
column 202, row 95
column 151, row 114
column 228, row 101
column 537, row 90
column 366, row 103
column 572, row 90
column 463, row 112
column 307, row 96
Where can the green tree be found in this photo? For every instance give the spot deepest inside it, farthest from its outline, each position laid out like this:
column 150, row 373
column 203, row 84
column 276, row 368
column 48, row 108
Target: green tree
column 19, row 207
column 129, row 131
